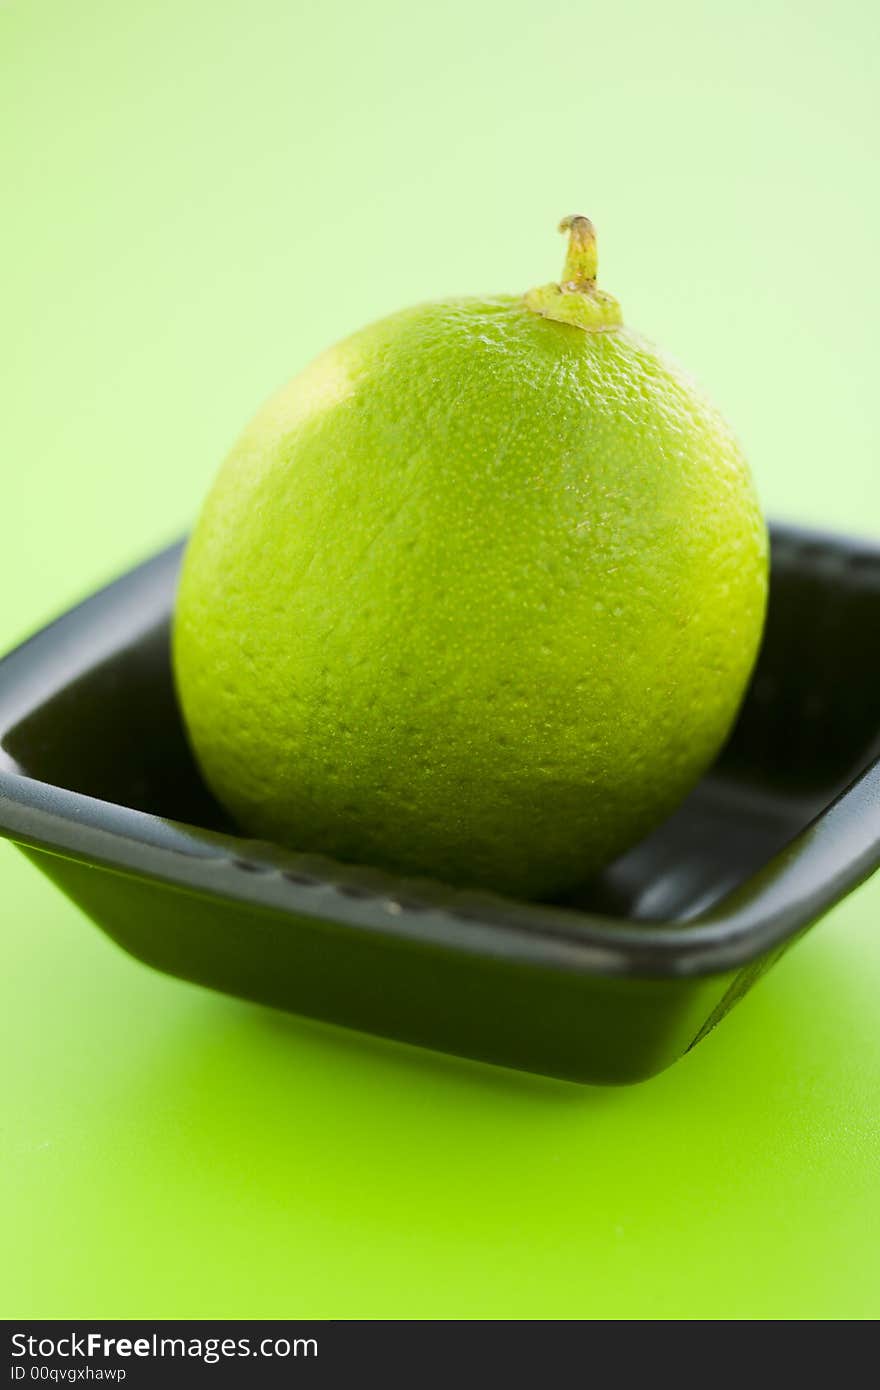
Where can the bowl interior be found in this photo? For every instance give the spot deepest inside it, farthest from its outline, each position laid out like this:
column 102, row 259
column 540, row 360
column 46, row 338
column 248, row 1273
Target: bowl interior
column 807, row 727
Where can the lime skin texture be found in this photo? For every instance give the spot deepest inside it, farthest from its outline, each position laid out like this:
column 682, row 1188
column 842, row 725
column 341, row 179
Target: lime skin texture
column 476, row 596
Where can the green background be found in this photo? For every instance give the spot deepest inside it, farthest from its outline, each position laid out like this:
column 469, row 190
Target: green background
column 198, row 197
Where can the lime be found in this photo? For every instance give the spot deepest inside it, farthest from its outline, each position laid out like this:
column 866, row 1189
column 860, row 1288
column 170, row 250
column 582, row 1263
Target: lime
column 476, row 595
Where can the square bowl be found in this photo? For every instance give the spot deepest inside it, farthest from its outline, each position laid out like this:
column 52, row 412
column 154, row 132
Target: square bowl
column 98, row 786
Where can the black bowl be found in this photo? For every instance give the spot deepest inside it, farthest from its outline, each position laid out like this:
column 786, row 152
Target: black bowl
column 98, row 786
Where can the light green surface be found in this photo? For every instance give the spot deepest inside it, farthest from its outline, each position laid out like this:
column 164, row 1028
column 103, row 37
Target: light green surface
column 198, row 198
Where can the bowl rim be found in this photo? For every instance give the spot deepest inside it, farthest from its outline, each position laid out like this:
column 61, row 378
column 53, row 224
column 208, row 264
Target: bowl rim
column 835, row 852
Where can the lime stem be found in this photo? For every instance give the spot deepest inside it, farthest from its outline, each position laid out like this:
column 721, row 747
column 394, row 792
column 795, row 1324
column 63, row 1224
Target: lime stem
column 577, row 300
column 582, row 260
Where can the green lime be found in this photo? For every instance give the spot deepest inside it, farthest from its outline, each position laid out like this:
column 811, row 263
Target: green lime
column 476, row 595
